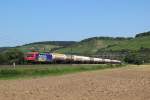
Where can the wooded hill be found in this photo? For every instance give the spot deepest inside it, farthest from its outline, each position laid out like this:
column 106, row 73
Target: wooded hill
column 90, row 46
column 97, row 45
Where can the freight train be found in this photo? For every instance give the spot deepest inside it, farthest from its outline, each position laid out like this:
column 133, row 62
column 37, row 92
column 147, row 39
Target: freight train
column 36, row 57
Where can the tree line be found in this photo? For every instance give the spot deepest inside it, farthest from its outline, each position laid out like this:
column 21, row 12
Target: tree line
column 143, row 34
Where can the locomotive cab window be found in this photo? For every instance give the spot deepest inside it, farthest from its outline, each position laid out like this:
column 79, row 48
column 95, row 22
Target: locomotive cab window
column 29, row 55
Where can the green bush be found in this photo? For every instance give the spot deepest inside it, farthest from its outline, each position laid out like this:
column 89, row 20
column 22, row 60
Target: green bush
column 12, row 55
column 3, row 59
column 134, row 58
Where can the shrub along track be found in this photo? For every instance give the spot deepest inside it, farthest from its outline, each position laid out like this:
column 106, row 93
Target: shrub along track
column 127, row 83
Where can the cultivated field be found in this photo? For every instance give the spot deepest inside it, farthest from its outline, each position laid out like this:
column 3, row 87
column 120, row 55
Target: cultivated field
column 127, row 83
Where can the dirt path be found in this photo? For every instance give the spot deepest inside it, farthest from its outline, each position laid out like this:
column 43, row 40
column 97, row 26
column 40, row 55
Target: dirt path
column 116, row 84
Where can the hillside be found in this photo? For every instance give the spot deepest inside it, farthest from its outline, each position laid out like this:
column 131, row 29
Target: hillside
column 58, row 43
column 41, row 46
column 4, row 48
column 103, row 44
column 90, row 46
column 45, row 46
column 94, row 46
column 133, row 44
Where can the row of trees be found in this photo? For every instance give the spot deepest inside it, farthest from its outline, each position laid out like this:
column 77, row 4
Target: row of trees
column 117, row 38
column 107, row 38
column 143, row 34
column 134, row 58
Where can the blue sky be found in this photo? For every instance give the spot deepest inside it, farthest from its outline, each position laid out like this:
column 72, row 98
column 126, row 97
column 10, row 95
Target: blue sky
column 25, row 21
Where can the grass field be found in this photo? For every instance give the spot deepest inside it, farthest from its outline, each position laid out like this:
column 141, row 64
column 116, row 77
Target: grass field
column 8, row 72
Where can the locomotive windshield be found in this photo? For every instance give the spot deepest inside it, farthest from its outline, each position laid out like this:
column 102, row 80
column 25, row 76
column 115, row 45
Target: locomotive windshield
column 30, row 55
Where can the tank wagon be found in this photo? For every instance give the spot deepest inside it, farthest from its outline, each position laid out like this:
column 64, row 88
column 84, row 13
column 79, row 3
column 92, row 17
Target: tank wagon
column 37, row 57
